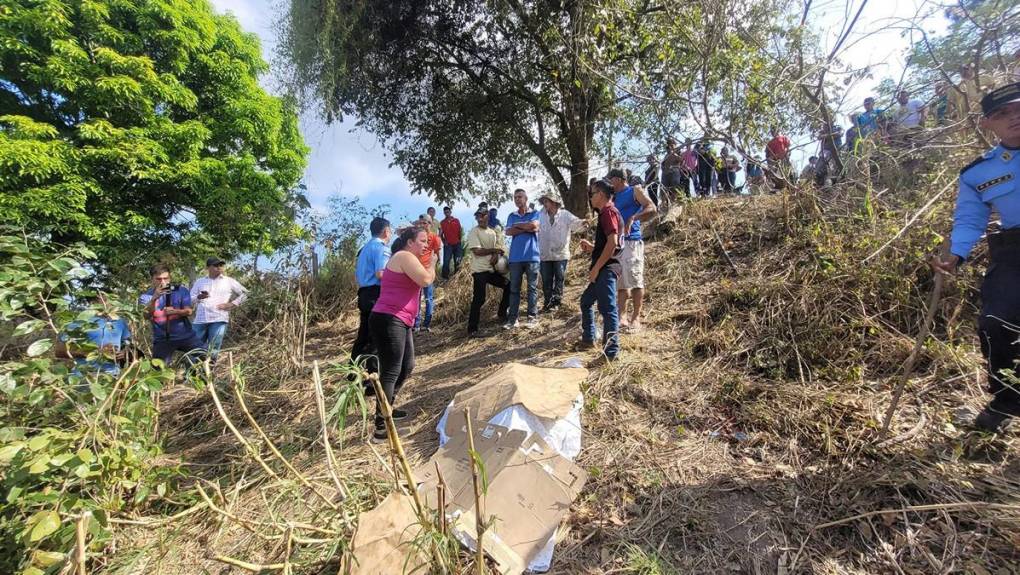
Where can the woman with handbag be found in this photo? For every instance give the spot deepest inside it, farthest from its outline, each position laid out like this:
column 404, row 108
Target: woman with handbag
column 488, row 264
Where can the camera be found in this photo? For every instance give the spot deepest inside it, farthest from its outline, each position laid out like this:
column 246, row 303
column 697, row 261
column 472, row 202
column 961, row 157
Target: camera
column 169, row 289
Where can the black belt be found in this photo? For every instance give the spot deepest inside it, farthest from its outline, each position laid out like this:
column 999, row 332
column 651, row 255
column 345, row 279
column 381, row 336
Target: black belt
column 1004, row 246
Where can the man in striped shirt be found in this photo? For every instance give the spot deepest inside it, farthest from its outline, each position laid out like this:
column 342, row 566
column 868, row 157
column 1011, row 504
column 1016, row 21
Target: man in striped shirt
column 213, row 294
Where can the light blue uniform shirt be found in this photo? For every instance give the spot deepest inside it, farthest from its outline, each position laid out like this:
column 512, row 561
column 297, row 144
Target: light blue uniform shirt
column 371, row 259
column 989, row 182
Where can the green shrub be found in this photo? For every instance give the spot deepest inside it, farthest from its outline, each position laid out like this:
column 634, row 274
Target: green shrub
column 74, row 447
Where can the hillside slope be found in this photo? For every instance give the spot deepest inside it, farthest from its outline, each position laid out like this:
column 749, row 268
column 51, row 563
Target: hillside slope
column 737, row 433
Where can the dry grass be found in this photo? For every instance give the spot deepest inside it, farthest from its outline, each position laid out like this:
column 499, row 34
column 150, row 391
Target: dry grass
column 738, row 433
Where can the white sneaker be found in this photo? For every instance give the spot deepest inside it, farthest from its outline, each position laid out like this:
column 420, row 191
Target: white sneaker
column 508, row 326
column 531, row 322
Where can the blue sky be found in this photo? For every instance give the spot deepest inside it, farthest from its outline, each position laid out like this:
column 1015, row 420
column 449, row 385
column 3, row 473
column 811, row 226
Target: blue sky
column 352, row 162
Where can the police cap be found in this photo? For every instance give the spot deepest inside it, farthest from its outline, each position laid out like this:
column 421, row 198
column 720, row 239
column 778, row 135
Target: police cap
column 999, row 97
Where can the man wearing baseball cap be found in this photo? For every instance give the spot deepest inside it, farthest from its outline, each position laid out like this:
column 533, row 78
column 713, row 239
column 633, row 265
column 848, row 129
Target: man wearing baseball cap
column 213, row 294
column 554, row 227
column 992, row 182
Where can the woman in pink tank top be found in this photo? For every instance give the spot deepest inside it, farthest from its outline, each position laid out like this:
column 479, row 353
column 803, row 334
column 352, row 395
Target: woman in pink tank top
column 393, row 316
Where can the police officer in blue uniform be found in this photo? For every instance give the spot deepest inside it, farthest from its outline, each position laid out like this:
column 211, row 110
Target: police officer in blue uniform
column 993, row 182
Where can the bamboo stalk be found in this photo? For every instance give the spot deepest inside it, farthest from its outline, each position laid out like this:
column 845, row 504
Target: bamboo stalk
column 479, row 512
column 441, row 500
column 80, row 530
column 320, row 403
column 395, row 444
column 269, row 443
column 397, row 448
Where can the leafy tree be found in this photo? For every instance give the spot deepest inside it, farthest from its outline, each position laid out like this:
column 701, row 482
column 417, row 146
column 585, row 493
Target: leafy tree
column 982, row 34
column 472, row 93
column 140, row 128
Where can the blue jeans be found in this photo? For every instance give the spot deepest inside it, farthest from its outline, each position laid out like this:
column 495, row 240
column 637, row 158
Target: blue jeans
column 211, row 336
column 552, row 282
column 429, row 292
column 603, row 293
column 517, row 271
column 452, row 253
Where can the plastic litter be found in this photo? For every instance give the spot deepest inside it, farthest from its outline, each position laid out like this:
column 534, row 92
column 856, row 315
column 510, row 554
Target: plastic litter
column 572, row 362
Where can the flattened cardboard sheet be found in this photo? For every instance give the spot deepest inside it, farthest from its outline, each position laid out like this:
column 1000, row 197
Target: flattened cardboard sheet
column 530, row 486
column 383, row 543
column 545, row 391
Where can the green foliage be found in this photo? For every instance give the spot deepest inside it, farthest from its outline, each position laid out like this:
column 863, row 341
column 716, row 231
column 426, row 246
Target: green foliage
column 140, row 128
column 982, row 33
column 71, row 444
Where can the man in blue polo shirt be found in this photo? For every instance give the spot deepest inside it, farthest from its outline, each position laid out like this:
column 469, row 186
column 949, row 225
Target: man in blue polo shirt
column 522, row 227
column 372, row 260
column 168, row 305
column 635, row 207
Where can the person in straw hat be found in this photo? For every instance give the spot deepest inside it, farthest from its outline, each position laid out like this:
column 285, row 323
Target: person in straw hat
column 555, row 225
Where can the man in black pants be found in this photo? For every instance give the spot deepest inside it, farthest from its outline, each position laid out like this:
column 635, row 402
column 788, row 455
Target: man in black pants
column 987, row 185
column 486, row 247
column 371, row 261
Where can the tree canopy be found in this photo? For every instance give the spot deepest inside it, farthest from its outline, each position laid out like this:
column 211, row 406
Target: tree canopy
column 471, row 94
column 139, row 127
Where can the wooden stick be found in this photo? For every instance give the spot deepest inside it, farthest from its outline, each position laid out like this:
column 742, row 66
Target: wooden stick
column 908, row 365
column 441, row 500
column 79, row 531
column 479, row 512
column 917, row 508
column 725, row 253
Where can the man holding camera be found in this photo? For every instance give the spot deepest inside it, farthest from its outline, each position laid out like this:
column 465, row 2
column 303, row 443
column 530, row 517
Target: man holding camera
column 213, row 294
column 168, row 305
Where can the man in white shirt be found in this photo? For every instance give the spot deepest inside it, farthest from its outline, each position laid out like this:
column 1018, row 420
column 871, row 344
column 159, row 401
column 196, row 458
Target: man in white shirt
column 554, row 227
column 213, row 295
column 909, row 114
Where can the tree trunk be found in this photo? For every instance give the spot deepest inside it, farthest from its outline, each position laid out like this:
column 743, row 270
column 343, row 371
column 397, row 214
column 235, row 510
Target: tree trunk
column 576, row 198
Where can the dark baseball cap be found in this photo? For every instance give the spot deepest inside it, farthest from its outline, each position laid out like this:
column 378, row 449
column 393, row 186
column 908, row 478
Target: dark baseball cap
column 481, row 212
column 999, row 97
column 214, row 262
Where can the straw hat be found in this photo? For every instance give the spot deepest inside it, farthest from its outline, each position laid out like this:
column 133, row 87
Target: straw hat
column 553, row 195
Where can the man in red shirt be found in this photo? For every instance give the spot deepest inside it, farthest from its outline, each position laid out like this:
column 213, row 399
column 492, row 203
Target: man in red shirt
column 433, row 247
column 449, row 232
column 777, row 156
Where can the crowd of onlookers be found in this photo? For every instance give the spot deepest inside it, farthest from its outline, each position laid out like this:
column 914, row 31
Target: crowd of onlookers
column 396, row 281
column 695, row 169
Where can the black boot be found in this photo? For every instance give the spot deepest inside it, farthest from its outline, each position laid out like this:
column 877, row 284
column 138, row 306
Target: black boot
column 990, row 420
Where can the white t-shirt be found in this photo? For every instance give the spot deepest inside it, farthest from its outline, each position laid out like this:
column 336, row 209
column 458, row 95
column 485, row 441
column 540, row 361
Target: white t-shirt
column 909, row 115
